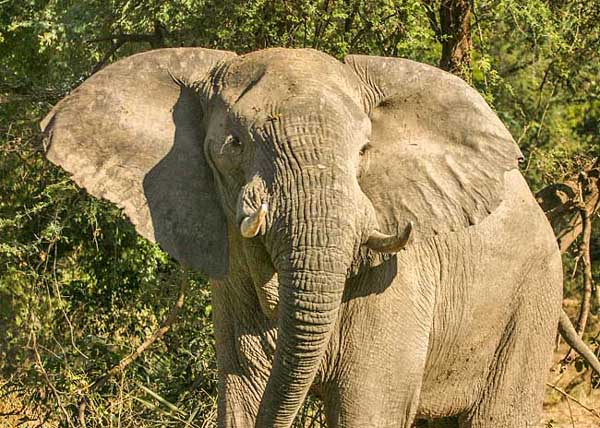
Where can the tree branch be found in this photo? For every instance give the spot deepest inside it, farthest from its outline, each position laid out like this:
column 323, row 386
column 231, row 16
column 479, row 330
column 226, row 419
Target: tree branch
column 125, row 362
column 561, row 203
column 575, row 400
column 584, row 251
column 114, row 48
column 155, row 39
column 432, row 18
column 569, row 207
column 455, row 27
column 41, row 368
column 453, row 31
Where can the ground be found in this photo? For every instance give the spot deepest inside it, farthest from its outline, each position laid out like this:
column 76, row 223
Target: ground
column 559, row 411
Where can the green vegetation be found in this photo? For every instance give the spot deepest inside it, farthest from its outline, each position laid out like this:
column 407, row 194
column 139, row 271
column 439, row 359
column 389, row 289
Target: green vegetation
column 79, row 290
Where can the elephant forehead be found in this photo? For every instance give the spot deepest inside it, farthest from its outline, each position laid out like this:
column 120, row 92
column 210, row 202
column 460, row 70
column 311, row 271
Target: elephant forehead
column 281, row 74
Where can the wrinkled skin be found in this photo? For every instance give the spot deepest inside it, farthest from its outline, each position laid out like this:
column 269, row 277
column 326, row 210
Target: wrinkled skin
column 458, row 321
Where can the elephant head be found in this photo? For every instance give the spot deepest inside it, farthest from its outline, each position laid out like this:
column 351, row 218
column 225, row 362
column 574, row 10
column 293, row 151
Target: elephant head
column 321, row 164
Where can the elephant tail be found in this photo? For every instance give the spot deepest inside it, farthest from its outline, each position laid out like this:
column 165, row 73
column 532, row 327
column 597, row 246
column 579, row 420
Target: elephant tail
column 567, row 331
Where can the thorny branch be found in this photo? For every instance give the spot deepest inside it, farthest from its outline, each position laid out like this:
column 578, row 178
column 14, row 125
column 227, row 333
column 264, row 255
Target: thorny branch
column 125, row 362
column 41, row 368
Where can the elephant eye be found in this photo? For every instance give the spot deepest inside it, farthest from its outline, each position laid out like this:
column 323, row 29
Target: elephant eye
column 364, row 149
column 233, row 141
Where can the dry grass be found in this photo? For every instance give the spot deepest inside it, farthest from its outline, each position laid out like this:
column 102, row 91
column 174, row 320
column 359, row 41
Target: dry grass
column 125, row 411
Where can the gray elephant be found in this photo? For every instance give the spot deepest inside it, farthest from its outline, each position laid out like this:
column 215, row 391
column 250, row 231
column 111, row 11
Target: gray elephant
column 364, row 224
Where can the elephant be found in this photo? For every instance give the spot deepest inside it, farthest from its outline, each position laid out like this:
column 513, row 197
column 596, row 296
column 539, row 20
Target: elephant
column 364, row 225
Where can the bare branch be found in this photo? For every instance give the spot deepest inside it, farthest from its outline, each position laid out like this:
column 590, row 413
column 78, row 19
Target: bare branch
column 125, row 362
column 560, row 202
column 593, row 412
column 584, row 251
column 155, row 39
column 41, row 368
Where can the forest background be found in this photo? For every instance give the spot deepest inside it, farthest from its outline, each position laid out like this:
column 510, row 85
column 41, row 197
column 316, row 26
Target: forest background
column 80, row 291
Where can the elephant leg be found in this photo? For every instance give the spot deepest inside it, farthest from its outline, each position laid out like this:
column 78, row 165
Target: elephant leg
column 357, row 407
column 381, row 359
column 514, row 393
column 244, row 340
column 382, row 393
column 243, row 373
column 237, row 404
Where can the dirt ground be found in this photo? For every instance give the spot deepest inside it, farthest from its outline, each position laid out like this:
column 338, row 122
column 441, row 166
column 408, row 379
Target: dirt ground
column 560, row 412
column 563, row 412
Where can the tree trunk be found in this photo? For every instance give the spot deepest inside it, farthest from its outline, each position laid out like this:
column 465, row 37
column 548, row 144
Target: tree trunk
column 455, row 26
column 453, row 31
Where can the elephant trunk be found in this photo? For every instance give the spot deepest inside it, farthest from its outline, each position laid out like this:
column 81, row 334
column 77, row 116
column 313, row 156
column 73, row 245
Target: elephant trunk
column 312, row 273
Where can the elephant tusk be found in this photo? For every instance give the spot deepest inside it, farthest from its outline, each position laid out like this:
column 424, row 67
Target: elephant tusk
column 251, row 225
column 389, row 243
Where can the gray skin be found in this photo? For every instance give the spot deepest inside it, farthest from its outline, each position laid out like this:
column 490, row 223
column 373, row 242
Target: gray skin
column 399, row 266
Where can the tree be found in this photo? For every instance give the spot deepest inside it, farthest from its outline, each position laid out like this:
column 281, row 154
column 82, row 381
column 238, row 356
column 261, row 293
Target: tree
column 453, row 31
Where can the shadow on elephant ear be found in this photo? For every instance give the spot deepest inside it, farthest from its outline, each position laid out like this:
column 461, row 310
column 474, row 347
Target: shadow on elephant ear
column 186, row 215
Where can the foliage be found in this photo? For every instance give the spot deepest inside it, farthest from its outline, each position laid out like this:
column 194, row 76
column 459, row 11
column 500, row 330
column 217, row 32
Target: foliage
column 543, row 82
column 79, row 289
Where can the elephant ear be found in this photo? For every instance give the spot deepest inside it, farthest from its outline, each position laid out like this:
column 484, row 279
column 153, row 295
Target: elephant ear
column 438, row 152
column 133, row 134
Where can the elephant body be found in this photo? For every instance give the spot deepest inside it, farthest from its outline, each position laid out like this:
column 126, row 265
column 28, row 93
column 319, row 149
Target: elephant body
column 364, row 225
column 454, row 325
